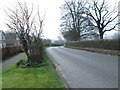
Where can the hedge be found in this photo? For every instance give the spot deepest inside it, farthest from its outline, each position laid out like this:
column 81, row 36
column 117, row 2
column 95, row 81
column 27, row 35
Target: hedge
column 9, row 51
column 100, row 44
column 57, row 44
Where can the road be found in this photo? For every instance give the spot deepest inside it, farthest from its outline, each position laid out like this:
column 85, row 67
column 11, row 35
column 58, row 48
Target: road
column 83, row 69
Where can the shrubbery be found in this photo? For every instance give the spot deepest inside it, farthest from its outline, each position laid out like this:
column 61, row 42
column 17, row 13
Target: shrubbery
column 101, row 44
column 25, row 63
column 47, row 44
column 57, row 44
column 53, row 44
column 9, row 51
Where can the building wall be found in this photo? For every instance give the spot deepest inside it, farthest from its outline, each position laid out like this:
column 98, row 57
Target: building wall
column 8, row 39
column 11, row 39
column 2, row 39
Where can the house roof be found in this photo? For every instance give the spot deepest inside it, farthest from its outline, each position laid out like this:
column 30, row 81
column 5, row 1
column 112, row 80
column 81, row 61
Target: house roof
column 1, row 31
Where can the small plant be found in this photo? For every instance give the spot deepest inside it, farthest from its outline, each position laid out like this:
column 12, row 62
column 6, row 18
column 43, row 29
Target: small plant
column 19, row 63
column 26, row 63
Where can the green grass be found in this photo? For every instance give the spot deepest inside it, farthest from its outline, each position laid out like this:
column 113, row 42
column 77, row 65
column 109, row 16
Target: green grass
column 42, row 77
column 0, row 80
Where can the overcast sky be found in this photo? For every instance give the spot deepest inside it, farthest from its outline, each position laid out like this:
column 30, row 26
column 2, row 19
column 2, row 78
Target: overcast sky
column 52, row 17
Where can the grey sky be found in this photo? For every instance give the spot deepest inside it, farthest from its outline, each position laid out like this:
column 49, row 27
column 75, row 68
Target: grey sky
column 52, row 18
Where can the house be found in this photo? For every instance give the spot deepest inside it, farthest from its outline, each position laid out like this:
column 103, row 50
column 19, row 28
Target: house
column 8, row 39
column 11, row 39
column 2, row 39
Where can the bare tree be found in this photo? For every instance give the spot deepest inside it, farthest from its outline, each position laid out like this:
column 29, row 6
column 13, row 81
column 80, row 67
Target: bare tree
column 103, row 18
column 76, row 25
column 72, row 19
column 28, row 26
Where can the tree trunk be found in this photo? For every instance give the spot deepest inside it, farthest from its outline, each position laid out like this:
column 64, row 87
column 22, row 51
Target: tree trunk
column 101, row 35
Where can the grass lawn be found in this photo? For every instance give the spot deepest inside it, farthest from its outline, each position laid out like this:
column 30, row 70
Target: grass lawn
column 0, row 80
column 42, row 77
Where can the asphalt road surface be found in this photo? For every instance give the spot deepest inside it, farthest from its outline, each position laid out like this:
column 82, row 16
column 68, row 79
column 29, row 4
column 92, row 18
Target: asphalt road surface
column 83, row 69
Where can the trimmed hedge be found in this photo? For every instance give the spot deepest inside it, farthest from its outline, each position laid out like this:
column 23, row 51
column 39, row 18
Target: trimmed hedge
column 57, row 44
column 9, row 51
column 100, row 44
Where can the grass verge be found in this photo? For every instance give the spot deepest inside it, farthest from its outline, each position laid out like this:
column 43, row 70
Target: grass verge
column 96, row 50
column 42, row 77
column 0, row 80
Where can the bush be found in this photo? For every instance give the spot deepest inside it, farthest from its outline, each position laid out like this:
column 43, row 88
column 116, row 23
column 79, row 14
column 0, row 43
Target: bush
column 57, row 44
column 25, row 64
column 101, row 44
column 47, row 44
column 19, row 62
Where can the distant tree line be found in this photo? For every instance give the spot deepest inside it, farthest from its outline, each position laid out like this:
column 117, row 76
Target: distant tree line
column 87, row 20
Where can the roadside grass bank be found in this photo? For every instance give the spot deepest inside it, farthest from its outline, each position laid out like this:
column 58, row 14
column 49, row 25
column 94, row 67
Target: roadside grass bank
column 96, row 50
column 0, row 80
column 40, row 77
